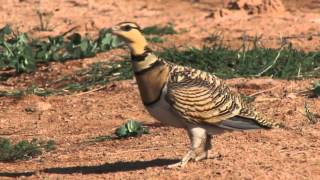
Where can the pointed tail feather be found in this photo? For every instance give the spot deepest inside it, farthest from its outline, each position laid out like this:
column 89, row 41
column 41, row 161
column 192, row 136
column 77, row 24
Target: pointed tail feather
column 240, row 123
column 244, row 123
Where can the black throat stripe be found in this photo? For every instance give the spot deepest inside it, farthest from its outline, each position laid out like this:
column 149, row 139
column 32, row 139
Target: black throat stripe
column 142, row 56
column 139, row 57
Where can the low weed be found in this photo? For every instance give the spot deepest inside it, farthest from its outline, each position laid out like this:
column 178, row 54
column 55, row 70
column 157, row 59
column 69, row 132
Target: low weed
column 23, row 150
column 22, row 53
column 132, row 128
column 157, row 30
column 228, row 63
column 97, row 74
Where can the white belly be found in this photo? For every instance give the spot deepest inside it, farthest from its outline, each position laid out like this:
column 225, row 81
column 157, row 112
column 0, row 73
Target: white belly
column 163, row 112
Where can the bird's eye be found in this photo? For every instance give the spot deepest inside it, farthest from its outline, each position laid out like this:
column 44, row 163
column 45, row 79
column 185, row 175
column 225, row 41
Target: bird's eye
column 126, row 28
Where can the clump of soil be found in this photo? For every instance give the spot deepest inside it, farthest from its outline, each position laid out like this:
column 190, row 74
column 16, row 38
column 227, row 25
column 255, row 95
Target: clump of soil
column 250, row 7
column 256, row 6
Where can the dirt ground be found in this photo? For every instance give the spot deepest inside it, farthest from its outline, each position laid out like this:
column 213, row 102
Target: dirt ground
column 72, row 120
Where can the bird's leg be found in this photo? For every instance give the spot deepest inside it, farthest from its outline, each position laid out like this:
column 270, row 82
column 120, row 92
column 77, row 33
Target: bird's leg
column 208, row 146
column 198, row 137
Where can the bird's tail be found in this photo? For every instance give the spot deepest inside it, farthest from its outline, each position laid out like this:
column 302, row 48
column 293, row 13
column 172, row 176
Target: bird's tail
column 249, row 119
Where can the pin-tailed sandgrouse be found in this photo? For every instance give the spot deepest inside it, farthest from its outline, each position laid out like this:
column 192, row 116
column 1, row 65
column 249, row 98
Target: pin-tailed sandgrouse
column 186, row 98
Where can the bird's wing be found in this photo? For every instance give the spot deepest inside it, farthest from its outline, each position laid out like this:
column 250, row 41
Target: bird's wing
column 200, row 97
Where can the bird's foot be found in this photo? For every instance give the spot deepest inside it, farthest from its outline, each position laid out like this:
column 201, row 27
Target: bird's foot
column 190, row 155
column 176, row 165
column 201, row 156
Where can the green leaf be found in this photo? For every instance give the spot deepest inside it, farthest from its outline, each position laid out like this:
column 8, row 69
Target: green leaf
column 84, row 45
column 43, row 55
column 133, row 126
column 22, row 38
column 107, row 39
column 122, row 131
column 115, row 42
column 6, row 30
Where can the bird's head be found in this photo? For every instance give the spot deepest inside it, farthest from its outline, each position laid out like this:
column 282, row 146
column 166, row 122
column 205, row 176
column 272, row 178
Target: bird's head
column 131, row 33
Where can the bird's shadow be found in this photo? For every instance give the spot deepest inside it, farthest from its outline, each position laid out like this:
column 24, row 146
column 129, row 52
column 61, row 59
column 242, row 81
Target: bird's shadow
column 99, row 169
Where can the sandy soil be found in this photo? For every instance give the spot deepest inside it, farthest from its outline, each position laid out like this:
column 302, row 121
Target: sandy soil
column 74, row 119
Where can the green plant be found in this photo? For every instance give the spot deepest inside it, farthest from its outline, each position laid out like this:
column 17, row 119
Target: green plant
column 15, row 52
column 107, row 41
column 224, row 62
column 156, row 30
column 228, row 63
column 22, row 53
column 23, row 150
column 97, row 74
column 154, row 33
column 131, row 128
column 155, row 39
column 75, row 47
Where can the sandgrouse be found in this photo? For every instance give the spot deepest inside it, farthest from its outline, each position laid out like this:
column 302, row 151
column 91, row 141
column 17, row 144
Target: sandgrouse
column 187, row 98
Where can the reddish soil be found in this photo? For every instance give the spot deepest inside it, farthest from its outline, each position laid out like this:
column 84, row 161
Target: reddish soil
column 72, row 120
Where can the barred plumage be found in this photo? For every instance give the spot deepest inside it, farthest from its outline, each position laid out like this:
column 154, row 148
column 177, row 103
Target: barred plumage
column 201, row 97
column 187, row 98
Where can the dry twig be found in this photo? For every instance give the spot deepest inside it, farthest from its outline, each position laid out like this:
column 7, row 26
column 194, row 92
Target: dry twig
column 273, row 63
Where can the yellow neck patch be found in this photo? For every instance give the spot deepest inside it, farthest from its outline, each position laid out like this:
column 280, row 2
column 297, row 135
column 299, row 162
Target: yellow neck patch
column 138, row 46
column 135, row 41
